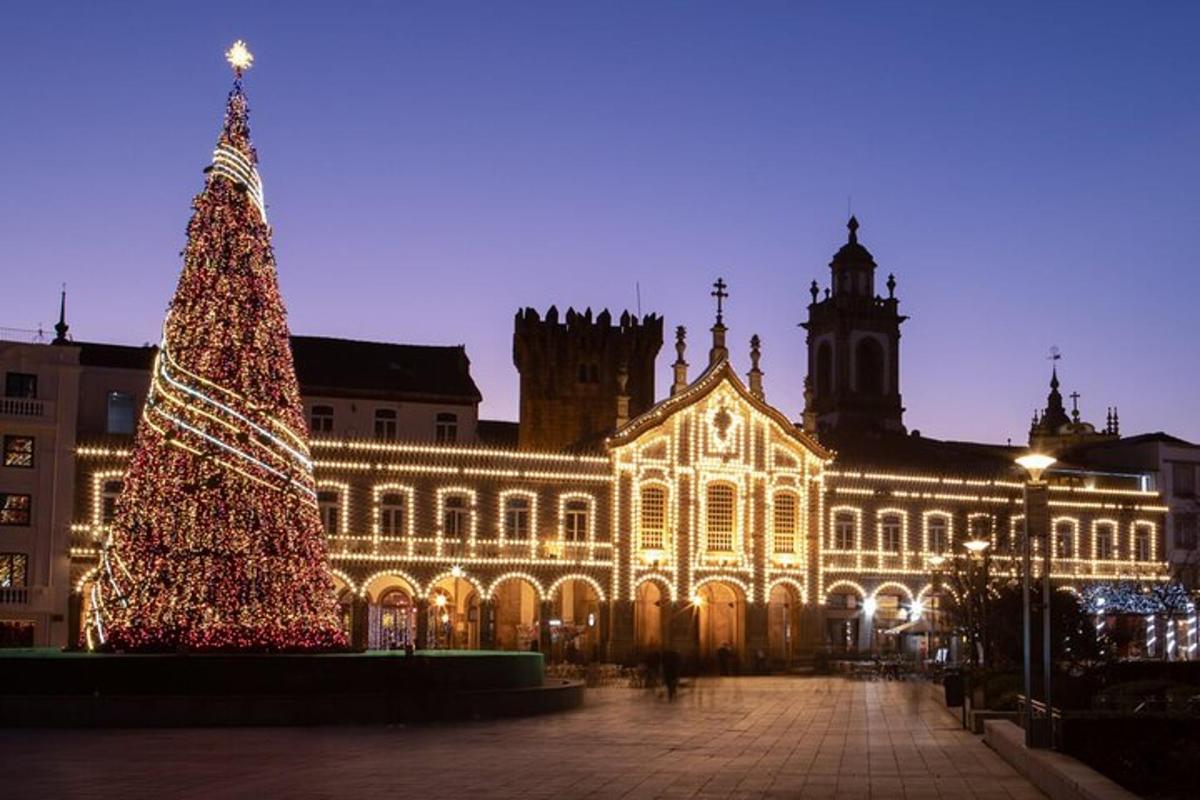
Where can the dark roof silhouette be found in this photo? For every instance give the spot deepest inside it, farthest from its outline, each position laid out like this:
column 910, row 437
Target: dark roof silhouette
column 342, row 367
column 498, row 433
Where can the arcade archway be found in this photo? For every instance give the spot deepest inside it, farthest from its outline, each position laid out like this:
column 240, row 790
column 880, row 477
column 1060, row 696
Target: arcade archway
column 783, row 622
column 650, row 612
column 721, row 624
column 517, row 604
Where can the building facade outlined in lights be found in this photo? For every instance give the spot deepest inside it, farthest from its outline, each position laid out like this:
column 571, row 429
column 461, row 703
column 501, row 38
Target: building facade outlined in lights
column 606, row 524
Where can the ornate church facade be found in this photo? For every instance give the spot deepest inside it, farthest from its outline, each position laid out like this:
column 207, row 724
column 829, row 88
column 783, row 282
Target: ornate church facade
column 606, row 524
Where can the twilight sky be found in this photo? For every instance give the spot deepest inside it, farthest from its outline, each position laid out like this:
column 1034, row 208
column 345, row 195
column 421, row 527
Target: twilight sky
column 1029, row 172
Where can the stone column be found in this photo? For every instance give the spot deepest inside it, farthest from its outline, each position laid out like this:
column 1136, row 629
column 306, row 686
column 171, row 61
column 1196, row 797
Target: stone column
column 422, row 624
column 756, row 635
column 360, row 614
column 487, row 625
column 618, row 629
column 545, row 612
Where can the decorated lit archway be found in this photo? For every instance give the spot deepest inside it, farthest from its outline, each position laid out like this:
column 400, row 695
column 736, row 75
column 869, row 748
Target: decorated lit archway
column 721, row 623
column 516, row 601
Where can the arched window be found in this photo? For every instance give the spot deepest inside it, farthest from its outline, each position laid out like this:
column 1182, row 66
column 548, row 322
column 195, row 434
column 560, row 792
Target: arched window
column 721, row 516
column 844, row 524
column 824, row 385
column 653, row 517
column 1103, row 543
column 868, row 367
column 785, row 522
column 891, row 530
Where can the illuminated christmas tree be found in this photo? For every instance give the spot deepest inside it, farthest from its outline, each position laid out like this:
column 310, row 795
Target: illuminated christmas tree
column 217, row 541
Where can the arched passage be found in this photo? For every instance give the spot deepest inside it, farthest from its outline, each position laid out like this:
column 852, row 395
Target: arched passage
column 843, row 612
column 575, row 626
column 517, row 609
column 391, row 611
column 721, row 624
column 783, row 621
column 650, row 614
column 453, row 613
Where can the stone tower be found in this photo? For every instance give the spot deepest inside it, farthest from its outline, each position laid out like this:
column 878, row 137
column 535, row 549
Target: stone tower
column 579, row 375
column 854, row 348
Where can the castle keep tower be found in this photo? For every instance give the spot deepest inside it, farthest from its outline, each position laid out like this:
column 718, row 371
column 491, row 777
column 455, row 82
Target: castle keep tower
column 854, row 348
column 572, row 373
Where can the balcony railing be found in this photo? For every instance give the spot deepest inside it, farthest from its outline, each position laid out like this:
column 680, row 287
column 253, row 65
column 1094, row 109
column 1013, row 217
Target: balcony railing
column 25, row 407
column 14, row 595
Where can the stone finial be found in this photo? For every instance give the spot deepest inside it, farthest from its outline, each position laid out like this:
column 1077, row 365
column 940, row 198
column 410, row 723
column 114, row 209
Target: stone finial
column 852, row 226
column 891, row 286
column 814, row 291
column 719, row 351
column 61, row 327
column 680, row 366
column 755, row 374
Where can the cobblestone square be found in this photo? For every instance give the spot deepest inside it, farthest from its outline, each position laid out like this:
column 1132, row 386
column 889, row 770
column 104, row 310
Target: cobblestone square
column 722, row 738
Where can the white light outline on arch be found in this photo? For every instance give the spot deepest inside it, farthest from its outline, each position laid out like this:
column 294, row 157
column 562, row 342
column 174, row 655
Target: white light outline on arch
column 525, row 576
column 576, row 576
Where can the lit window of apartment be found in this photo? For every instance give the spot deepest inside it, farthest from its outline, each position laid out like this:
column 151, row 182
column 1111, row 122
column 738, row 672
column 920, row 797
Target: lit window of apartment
column 120, row 419
column 446, row 428
column 15, row 509
column 385, row 424
column 320, row 419
column 18, row 451
column 721, row 517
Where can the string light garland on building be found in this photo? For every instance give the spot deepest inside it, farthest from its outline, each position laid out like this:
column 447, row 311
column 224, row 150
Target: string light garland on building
column 216, row 542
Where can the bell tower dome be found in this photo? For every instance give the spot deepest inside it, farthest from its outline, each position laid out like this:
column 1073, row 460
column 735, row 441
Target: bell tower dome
column 854, row 347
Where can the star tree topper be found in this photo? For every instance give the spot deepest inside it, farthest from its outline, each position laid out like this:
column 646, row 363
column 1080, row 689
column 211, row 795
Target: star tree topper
column 239, row 57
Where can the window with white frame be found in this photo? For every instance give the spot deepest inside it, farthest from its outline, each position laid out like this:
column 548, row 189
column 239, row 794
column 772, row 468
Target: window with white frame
column 576, row 514
column 321, row 419
column 392, row 513
column 110, row 490
column 891, row 531
column 653, row 517
column 1141, row 542
column 1103, row 543
column 456, row 516
column 446, row 427
column 844, row 524
column 721, row 517
column 329, row 503
column 786, row 522
column 937, row 532
column 385, row 424
column 517, row 513
column 1064, row 540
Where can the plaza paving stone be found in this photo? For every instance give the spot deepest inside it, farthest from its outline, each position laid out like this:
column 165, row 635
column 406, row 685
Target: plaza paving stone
column 722, row 738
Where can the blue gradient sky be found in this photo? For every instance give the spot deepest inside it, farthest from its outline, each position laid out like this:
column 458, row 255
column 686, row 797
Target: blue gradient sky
column 1028, row 171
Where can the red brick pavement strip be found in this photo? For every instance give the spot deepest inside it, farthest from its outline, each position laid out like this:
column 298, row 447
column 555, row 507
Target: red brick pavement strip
column 724, row 738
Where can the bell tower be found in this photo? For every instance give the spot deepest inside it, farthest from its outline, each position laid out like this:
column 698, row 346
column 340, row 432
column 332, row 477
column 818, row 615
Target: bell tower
column 853, row 348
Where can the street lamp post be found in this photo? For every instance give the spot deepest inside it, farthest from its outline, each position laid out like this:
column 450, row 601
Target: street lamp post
column 1036, row 500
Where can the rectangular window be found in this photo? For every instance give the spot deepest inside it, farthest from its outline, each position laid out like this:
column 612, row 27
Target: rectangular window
column 1184, row 479
column 937, row 531
column 1104, row 542
column 120, row 413
column 1185, row 531
column 843, row 532
column 321, row 419
column 15, row 509
column 385, row 424
column 455, row 519
column 785, row 525
column 891, row 532
column 1141, row 543
column 721, row 517
column 653, row 517
column 109, row 492
column 18, row 451
column 14, row 570
column 20, row 384
column 330, row 516
column 1064, row 541
column 391, row 515
column 446, row 428
column 516, row 518
column 575, row 521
